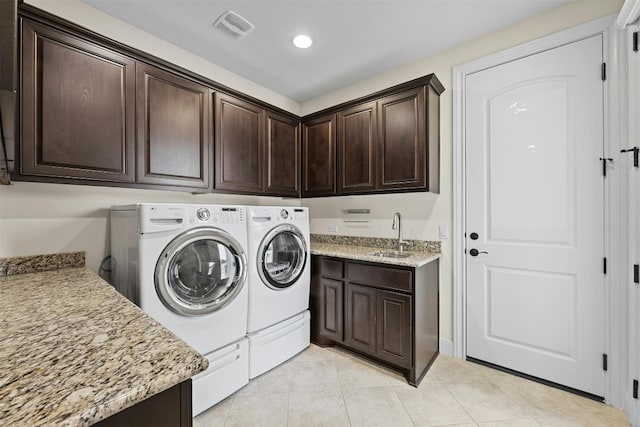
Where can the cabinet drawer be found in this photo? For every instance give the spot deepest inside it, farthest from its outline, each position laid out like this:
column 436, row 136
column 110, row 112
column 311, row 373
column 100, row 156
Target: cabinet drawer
column 383, row 277
column 332, row 268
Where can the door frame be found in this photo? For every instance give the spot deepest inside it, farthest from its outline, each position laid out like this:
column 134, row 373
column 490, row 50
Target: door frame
column 615, row 243
column 632, row 351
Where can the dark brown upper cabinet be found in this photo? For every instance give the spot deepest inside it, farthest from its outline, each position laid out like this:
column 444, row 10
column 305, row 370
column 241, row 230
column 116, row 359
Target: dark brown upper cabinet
column 319, row 156
column 174, row 142
column 77, row 108
column 239, row 145
column 282, row 156
column 401, row 140
column 386, row 142
column 357, row 148
column 97, row 112
column 257, row 150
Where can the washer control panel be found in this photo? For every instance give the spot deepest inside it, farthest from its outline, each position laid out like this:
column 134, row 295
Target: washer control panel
column 217, row 215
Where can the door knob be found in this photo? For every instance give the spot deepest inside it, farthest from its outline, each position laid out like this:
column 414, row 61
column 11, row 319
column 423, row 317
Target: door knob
column 475, row 252
column 474, row 236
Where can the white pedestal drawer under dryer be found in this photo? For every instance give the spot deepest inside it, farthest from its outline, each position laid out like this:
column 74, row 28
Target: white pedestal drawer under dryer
column 279, row 281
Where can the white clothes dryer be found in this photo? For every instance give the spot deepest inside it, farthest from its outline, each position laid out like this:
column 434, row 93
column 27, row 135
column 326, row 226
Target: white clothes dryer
column 279, row 281
column 186, row 266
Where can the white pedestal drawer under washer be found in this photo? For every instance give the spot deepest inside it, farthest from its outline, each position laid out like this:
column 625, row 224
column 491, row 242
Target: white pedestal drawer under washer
column 186, row 266
column 279, row 281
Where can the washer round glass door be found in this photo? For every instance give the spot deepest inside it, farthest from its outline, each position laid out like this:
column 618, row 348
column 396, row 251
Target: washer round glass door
column 282, row 257
column 200, row 271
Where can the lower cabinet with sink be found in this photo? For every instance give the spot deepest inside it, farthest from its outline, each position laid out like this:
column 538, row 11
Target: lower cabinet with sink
column 388, row 313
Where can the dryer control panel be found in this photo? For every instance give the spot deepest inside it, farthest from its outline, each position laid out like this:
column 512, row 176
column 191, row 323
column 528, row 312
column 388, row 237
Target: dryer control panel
column 259, row 215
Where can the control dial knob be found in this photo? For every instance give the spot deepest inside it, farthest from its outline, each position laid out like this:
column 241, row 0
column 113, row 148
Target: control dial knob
column 203, row 214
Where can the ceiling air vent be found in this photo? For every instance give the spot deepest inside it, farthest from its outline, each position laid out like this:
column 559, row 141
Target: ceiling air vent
column 233, row 25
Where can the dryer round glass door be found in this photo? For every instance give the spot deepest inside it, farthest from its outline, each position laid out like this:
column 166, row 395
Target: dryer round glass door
column 282, row 257
column 200, row 271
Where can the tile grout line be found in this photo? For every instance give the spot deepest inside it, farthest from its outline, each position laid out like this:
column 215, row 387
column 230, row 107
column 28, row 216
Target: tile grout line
column 446, row 386
column 344, row 402
column 404, row 407
column 226, row 415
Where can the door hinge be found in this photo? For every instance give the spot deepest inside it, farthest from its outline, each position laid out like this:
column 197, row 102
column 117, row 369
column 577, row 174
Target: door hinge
column 635, row 389
column 635, row 41
column 636, row 273
column 636, row 154
column 604, row 362
column 604, row 164
column 604, row 265
column 603, row 71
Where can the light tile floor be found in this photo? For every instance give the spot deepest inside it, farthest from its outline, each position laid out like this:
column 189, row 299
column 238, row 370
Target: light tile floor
column 332, row 387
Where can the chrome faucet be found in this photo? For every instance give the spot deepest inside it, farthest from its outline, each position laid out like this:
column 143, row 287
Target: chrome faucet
column 396, row 226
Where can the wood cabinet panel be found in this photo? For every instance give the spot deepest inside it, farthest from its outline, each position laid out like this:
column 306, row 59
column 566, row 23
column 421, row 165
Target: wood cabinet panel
column 357, row 148
column 282, row 156
column 384, row 277
column 319, row 158
column 394, row 328
column 361, row 318
column 8, row 44
column 331, row 316
column 174, row 143
column 239, row 145
column 433, row 140
column 77, row 108
column 402, row 140
column 170, row 408
column 332, row 268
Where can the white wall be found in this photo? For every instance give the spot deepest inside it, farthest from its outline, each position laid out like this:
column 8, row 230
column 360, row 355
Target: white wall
column 44, row 218
column 425, row 212
column 52, row 218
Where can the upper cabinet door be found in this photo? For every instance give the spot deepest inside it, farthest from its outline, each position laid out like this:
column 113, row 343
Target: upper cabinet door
column 319, row 156
column 402, row 140
column 357, row 149
column 174, row 141
column 239, row 145
column 77, row 108
column 282, row 156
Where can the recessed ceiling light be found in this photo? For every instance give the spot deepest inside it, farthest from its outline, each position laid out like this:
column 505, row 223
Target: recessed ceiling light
column 302, row 41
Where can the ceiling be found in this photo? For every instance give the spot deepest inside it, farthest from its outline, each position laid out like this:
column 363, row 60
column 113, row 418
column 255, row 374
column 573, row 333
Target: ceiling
column 352, row 40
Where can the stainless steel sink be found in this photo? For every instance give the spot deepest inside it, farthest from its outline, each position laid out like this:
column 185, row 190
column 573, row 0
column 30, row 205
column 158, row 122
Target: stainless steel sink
column 391, row 254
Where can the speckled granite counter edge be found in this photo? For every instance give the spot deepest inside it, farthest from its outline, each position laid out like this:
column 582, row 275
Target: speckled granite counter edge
column 364, row 253
column 377, row 242
column 35, row 263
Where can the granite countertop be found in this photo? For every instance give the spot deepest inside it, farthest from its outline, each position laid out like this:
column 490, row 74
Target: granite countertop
column 363, row 253
column 73, row 351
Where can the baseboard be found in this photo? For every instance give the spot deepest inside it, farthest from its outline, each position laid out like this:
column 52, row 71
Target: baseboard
column 446, row 347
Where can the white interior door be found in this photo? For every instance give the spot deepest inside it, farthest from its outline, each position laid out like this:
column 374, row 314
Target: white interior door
column 534, row 197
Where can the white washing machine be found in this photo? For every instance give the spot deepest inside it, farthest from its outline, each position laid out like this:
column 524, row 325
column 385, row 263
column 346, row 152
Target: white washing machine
column 186, row 266
column 279, row 281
